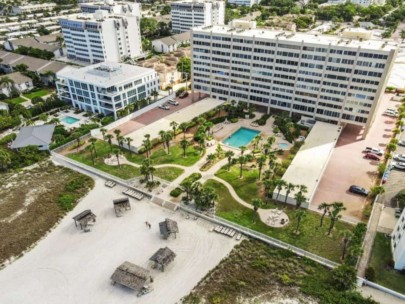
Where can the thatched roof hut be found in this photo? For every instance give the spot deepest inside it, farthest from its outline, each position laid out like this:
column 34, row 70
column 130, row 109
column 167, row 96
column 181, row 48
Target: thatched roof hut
column 131, row 276
column 120, row 205
column 84, row 218
column 168, row 227
column 163, row 257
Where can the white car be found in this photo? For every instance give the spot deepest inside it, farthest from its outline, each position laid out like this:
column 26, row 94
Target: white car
column 173, row 102
column 390, row 114
column 402, row 143
column 377, row 151
column 164, row 107
column 399, row 157
column 398, row 165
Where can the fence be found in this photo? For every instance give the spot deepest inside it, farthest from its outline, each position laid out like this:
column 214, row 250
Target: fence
column 264, row 238
column 131, row 116
column 71, row 143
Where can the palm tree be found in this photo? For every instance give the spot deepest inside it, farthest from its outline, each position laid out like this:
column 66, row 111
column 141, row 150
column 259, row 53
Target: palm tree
column 117, row 153
column 155, row 94
column 90, row 148
column 184, row 144
column 128, row 141
column 93, row 145
column 109, row 140
column 325, row 207
column 377, row 190
column 183, row 127
column 290, row 187
column 7, row 82
column 241, row 160
column 167, row 137
column 55, row 121
column 261, row 160
column 229, row 155
column 5, row 159
column 121, row 140
column 147, row 145
column 256, row 141
column 257, row 203
column 162, row 134
column 201, row 143
column 280, row 184
column 174, row 126
column 76, row 136
column 103, row 132
column 300, row 215
column 334, row 215
column 117, row 133
column 145, row 169
column 242, row 149
column 211, row 157
column 271, row 140
column 347, row 236
column 299, row 199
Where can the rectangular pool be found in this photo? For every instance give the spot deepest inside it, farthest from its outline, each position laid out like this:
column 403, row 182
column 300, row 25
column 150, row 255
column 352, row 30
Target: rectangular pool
column 69, row 120
column 240, row 137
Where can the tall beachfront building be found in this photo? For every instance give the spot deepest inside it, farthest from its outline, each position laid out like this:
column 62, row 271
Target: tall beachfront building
column 398, row 243
column 249, row 3
column 106, row 87
column 190, row 13
column 102, row 36
column 113, row 7
column 328, row 78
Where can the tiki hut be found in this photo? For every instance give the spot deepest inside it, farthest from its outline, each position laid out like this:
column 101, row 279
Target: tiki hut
column 131, row 276
column 168, row 227
column 84, row 219
column 162, row 258
column 120, row 205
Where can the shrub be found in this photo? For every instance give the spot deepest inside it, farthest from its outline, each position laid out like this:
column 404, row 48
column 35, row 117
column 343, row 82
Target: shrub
column 262, row 120
column 218, row 120
column 107, row 120
column 234, row 120
column 370, row 273
column 67, row 201
column 192, row 177
column 176, row 192
column 344, row 278
column 8, row 138
column 400, row 198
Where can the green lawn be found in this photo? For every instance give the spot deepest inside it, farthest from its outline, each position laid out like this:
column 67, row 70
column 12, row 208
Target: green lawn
column 160, row 156
column 39, row 93
column 380, row 258
column 124, row 171
column 16, row 100
column 247, row 187
column 311, row 237
column 168, row 173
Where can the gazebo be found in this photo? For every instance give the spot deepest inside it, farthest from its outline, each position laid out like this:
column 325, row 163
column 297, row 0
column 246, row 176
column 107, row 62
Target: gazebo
column 84, row 219
column 168, row 227
column 120, row 205
column 131, row 276
column 162, row 258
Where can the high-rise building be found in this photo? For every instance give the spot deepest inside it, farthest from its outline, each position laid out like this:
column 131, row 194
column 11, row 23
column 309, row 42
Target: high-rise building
column 328, row 78
column 113, row 7
column 398, row 243
column 101, row 36
column 106, row 87
column 191, row 13
column 249, row 3
column 358, row 2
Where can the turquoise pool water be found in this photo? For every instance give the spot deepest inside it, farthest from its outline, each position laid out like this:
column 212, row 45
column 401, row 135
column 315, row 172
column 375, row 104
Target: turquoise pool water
column 241, row 137
column 69, row 119
column 283, row 146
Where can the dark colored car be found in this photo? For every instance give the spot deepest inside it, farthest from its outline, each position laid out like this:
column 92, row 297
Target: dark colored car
column 372, row 156
column 183, row 94
column 358, row 190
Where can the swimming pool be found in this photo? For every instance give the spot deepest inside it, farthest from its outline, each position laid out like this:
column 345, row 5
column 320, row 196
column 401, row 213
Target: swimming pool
column 240, row 137
column 283, row 146
column 69, row 120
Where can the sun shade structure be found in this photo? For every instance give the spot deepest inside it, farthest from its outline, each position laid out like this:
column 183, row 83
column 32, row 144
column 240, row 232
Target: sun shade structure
column 84, row 219
column 168, row 227
column 121, row 205
column 131, row 276
column 162, row 258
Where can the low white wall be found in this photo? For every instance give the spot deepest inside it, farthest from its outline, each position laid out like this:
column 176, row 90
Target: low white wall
column 133, row 115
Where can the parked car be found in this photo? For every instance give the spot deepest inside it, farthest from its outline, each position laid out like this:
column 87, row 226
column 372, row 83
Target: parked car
column 398, row 165
column 358, row 190
column 391, row 114
column 173, row 102
column 377, row 151
column 372, row 156
column 398, row 212
column 183, row 94
column 400, row 157
column 164, row 107
column 401, row 143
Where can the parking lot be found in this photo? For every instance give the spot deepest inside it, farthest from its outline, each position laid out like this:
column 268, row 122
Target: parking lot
column 348, row 166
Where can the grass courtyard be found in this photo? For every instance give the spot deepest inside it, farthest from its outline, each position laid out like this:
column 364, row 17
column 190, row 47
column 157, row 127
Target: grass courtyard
column 16, row 100
column 39, row 93
column 311, row 237
column 381, row 257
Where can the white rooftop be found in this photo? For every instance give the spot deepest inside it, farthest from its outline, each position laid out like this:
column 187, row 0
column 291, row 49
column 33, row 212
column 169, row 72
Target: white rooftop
column 311, row 160
column 376, row 44
column 105, row 74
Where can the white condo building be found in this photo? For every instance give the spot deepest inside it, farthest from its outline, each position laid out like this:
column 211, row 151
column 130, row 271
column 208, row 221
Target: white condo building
column 101, row 37
column 398, row 243
column 358, row 2
column 191, row 13
column 32, row 8
column 113, row 7
column 105, row 87
column 249, row 3
column 327, row 78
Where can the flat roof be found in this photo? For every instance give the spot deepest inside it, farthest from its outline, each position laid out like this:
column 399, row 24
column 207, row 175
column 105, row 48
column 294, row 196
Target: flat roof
column 372, row 44
column 311, row 160
column 105, row 73
column 183, row 115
